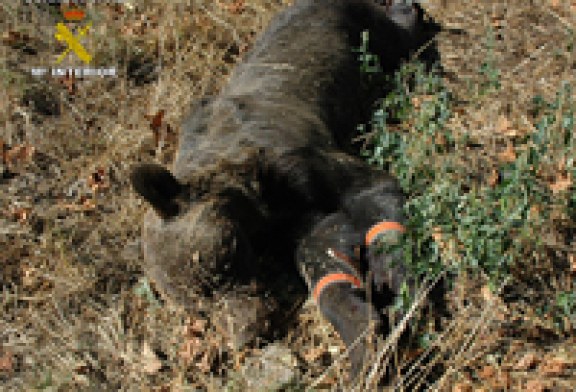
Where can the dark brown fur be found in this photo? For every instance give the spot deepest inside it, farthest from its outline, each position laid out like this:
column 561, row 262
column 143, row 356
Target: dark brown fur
column 272, row 148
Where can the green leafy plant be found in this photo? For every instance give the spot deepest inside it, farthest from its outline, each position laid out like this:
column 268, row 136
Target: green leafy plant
column 369, row 63
column 455, row 222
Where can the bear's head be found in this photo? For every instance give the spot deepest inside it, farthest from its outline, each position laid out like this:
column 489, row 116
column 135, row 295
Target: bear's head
column 197, row 236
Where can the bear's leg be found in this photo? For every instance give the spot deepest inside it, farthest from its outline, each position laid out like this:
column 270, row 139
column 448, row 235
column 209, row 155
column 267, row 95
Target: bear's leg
column 375, row 208
column 326, row 259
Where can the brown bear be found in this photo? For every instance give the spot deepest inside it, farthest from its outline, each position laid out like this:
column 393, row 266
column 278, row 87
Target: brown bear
column 271, row 157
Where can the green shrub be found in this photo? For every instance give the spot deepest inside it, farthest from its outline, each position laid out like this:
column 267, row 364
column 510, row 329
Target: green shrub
column 455, row 222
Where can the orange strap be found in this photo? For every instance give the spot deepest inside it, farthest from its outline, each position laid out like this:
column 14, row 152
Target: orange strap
column 381, row 227
column 343, row 257
column 336, row 277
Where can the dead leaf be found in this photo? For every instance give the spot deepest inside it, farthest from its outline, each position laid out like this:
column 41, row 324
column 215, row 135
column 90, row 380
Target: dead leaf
column 69, row 81
column 237, row 6
column 198, row 327
column 87, row 203
column 18, row 154
column 84, row 204
column 203, row 22
column 156, row 119
column 508, row 155
column 155, row 125
column 6, row 362
column 314, row 353
column 553, row 367
column 22, row 214
column 150, row 362
column 572, row 261
column 528, row 361
column 493, row 178
column 502, row 381
column 497, row 20
column 487, row 372
column 462, row 387
column 504, row 126
column 536, row 386
column 98, row 180
column 555, row 3
column 498, row 379
column 190, row 349
column 15, row 39
column 437, row 235
column 561, row 183
column 440, row 139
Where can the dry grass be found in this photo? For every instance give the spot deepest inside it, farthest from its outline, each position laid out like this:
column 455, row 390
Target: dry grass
column 76, row 311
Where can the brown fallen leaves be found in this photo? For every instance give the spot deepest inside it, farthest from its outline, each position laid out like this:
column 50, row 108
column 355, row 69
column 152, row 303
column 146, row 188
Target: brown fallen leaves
column 462, row 387
column 6, row 361
column 536, row 385
column 508, row 155
column 98, row 180
column 161, row 130
column 84, row 204
column 505, row 127
column 561, row 183
column 234, row 7
column 493, row 178
column 527, row 362
column 558, row 3
column 315, row 353
column 18, row 154
column 69, row 82
column 497, row 379
column 19, row 214
column 553, row 367
column 155, row 119
column 572, row 262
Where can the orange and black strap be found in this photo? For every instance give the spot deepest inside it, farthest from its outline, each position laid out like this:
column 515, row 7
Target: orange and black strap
column 329, row 279
column 350, row 261
column 380, row 228
column 337, row 277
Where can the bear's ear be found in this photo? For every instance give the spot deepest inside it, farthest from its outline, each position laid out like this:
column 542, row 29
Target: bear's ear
column 158, row 186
